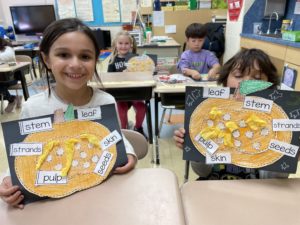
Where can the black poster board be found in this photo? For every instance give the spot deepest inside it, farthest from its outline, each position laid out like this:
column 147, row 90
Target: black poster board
column 12, row 134
column 287, row 103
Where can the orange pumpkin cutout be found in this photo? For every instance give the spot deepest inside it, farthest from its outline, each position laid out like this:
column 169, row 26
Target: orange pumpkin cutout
column 140, row 63
column 71, row 147
column 244, row 133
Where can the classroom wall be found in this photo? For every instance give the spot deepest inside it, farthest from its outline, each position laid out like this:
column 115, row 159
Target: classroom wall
column 1, row 14
column 6, row 17
column 233, row 30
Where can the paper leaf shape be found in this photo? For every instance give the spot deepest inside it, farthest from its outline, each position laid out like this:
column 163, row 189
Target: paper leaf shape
column 69, row 114
column 251, row 86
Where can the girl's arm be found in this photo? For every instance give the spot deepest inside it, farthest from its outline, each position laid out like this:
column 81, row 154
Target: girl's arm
column 129, row 166
column 132, row 159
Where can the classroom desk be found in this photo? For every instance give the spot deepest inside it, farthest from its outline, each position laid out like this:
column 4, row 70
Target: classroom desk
column 129, row 86
column 247, row 202
column 170, row 48
column 8, row 73
column 142, row 196
column 170, row 95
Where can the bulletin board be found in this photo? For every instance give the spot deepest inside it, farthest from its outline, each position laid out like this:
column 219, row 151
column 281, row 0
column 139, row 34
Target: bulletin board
column 97, row 12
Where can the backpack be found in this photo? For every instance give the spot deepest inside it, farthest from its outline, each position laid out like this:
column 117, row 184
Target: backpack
column 215, row 39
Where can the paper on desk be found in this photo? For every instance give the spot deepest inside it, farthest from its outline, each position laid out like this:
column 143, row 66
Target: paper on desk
column 297, row 7
column 160, row 38
column 158, row 18
column 146, row 3
column 170, row 29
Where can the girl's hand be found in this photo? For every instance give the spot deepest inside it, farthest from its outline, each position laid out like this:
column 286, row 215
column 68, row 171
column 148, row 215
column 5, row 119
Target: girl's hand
column 129, row 166
column 179, row 137
column 11, row 194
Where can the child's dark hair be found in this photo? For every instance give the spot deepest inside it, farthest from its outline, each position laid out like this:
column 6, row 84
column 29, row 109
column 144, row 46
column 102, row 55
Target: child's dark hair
column 3, row 44
column 57, row 29
column 195, row 30
column 245, row 60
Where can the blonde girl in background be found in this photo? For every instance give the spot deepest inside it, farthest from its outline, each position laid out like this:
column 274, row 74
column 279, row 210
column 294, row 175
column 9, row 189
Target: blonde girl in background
column 124, row 47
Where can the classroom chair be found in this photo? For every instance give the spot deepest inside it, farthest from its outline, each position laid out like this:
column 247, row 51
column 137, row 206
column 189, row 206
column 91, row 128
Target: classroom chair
column 154, row 57
column 2, row 103
column 138, row 142
column 172, row 70
column 26, row 58
column 29, row 80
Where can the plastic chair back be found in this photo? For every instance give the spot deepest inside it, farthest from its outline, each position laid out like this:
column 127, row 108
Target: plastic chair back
column 138, row 142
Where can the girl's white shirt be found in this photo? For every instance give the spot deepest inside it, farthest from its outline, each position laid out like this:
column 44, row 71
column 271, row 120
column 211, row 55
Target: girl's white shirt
column 7, row 55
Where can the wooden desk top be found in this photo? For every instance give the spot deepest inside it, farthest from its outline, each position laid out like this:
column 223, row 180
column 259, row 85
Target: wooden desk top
column 143, row 196
column 180, row 87
column 21, row 48
column 125, row 79
column 169, row 43
column 7, row 68
column 246, row 202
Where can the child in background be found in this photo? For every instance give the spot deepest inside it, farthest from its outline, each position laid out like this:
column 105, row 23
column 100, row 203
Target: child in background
column 124, row 47
column 69, row 53
column 197, row 61
column 7, row 55
column 251, row 64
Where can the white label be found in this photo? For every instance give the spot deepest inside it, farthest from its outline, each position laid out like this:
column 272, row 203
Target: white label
column 209, row 145
column 26, row 149
column 37, row 125
column 283, row 148
column 89, row 113
column 286, row 125
column 50, row 177
column 103, row 163
column 110, row 139
column 259, row 104
column 223, row 158
column 216, row 92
